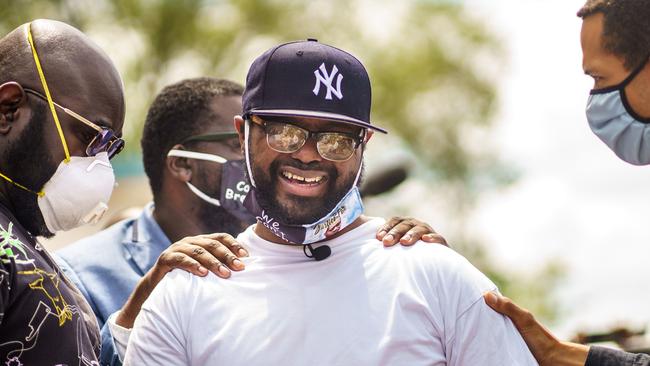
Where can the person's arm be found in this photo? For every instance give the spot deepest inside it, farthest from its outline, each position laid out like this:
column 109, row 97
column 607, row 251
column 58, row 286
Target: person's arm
column 547, row 349
column 196, row 255
column 407, row 231
column 158, row 336
column 114, row 343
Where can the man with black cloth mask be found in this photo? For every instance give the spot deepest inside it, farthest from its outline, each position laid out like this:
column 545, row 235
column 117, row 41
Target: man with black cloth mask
column 194, row 164
column 307, row 117
column 61, row 116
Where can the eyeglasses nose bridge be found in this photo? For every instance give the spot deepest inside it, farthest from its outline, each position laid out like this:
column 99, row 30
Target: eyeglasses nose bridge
column 309, row 148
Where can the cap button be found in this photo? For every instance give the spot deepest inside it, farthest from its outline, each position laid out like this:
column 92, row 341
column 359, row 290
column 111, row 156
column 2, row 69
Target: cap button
column 312, row 40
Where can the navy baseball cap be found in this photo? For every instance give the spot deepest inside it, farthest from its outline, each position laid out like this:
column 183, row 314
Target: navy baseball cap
column 309, row 79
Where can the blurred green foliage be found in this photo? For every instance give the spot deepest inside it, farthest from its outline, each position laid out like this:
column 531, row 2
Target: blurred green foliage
column 433, row 70
column 426, row 87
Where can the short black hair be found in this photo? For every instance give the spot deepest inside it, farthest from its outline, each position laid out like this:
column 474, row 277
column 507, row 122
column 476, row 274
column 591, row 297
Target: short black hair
column 178, row 112
column 626, row 28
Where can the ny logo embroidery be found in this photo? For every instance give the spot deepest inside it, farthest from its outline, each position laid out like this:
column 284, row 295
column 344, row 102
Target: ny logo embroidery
column 323, row 78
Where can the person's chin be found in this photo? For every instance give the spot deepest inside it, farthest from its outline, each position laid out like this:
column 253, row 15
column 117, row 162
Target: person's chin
column 298, row 210
column 46, row 234
column 29, row 215
column 36, row 226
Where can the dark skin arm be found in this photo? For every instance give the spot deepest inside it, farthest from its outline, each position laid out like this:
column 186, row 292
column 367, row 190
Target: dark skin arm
column 547, row 349
column 194, row 254
column 219, row 253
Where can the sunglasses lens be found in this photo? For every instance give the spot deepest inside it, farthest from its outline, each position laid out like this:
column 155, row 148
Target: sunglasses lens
column 284, row 138
column 335, row 146
column 115, row 147
column 105, row 141
column 99, row 143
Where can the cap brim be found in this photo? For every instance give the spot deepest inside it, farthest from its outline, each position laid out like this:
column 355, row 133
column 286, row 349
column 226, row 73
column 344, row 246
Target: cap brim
column 314, row 114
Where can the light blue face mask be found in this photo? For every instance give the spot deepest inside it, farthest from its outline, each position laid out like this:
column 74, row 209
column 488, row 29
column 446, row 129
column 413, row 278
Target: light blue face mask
column 613, row 120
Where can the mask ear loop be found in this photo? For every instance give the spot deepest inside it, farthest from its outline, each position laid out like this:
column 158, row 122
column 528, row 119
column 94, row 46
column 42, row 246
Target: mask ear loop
column 621, row 86
column 247, row 153
column 356, row 180
column 197, row 155
column 634, row 73
column 50, row 102
column 202, row 195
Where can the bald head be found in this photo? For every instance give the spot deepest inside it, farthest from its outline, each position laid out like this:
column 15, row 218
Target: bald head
column 81, row 78
column 74, row 66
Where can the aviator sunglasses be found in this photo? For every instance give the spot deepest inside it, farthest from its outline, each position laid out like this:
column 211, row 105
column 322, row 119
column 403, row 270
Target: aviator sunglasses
column 288, row 138
column 104, row 140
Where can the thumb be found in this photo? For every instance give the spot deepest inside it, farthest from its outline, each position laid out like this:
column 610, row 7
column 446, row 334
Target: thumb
column 498, row 303
column 521, row 317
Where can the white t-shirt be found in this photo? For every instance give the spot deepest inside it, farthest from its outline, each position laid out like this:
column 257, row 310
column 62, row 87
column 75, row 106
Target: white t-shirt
column 363, row 305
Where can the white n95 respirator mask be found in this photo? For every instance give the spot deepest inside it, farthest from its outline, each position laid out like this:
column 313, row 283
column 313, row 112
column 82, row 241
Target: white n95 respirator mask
column 77, row 193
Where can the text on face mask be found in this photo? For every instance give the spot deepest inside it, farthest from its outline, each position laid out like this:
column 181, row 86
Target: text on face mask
column 240, row 187
column 271, row 224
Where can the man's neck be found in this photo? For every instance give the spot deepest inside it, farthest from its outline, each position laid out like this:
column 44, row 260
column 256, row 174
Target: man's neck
column 4, row 198
column 177, row 222
column 265, row 233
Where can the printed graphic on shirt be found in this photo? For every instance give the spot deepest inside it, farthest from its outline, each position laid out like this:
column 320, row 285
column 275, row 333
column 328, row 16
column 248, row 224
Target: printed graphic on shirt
column 44, row 290
column 3, row 275
column 332, row 225
column 15, row 349
column 39, row 279
column 9, row 244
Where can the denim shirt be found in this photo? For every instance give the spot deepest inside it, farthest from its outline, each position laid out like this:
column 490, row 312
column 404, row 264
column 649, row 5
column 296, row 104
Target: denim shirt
column 107, row 266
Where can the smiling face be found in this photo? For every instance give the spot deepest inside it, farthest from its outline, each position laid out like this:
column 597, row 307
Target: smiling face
column 301, row 187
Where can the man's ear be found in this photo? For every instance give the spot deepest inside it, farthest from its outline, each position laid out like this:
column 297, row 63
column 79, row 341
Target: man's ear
column 179, row 168
column 12, row 95
column 239, row 126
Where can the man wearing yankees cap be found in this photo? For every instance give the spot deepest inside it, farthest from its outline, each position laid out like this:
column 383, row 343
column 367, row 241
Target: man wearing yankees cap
column 319, row 288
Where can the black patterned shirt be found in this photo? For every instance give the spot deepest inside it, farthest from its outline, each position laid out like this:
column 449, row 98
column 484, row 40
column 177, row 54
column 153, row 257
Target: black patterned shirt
column 44, row 320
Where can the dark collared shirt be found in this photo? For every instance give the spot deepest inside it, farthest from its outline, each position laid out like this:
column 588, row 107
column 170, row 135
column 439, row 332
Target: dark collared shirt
column 601, row 356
